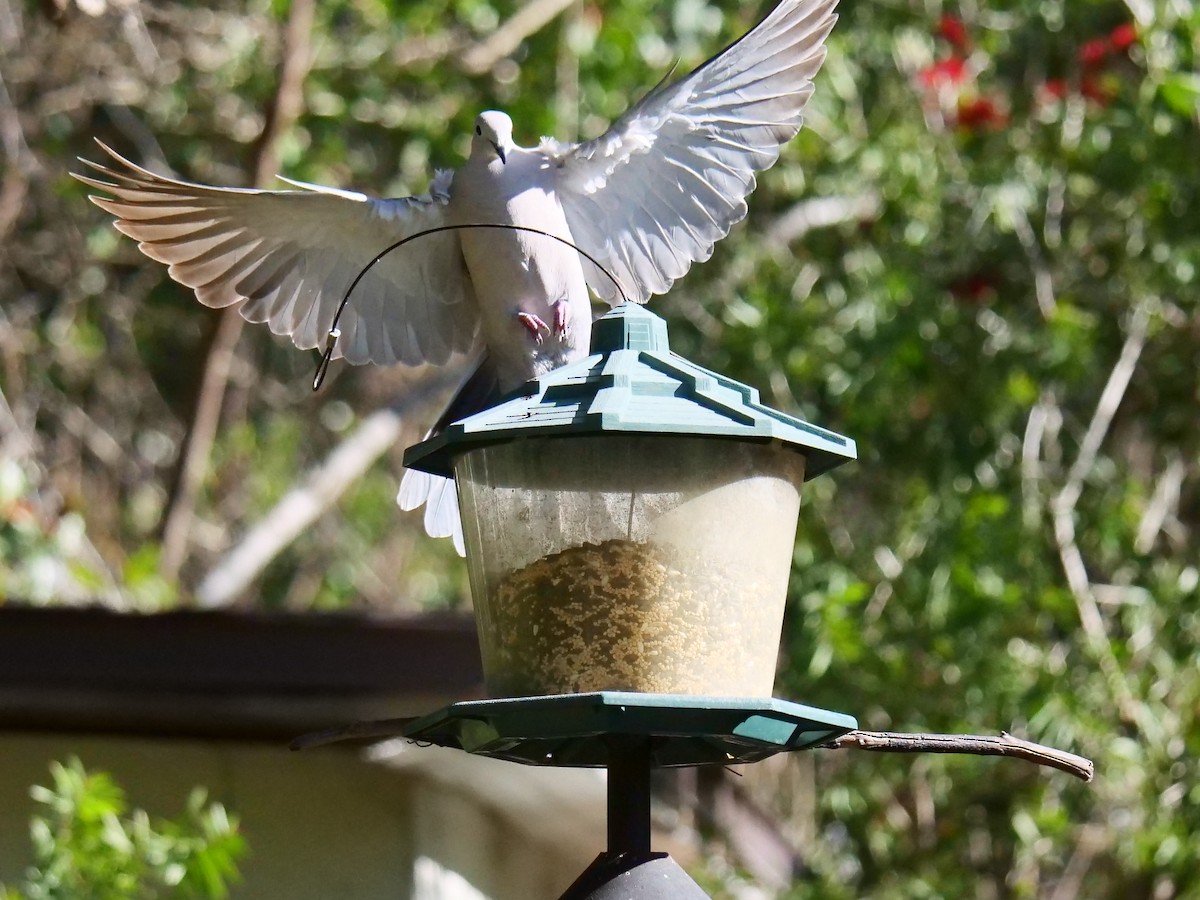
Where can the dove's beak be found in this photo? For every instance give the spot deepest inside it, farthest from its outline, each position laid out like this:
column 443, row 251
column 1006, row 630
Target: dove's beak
column 500, row 153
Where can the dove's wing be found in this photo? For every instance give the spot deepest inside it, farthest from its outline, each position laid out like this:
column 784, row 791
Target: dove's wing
column 287, row 257
column 669, row 179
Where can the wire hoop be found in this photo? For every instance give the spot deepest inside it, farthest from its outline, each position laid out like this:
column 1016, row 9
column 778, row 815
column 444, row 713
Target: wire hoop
column 335, row 333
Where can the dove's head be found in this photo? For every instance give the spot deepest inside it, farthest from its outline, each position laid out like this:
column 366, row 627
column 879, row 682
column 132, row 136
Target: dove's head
column 493, row 135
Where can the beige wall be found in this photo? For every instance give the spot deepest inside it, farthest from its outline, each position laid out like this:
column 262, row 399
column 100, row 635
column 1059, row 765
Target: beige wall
column 327, row 824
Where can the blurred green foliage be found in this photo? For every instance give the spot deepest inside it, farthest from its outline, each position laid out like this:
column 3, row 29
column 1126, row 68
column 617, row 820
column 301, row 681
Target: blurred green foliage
column 990, row 216
column 89, row 845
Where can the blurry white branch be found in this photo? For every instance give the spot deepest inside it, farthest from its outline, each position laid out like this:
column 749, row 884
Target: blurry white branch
column 821, row 212
column 1160, row 511
column 1062, row 508
column 14, row 442
column 319, row 489
column 1092, row 840
column 1031, row 462
column 1142, row 10
column 1106, row 407
column 21, row 163
column 1043, row 282
column 526, row 21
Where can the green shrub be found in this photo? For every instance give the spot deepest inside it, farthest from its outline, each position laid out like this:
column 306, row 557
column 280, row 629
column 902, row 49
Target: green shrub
column 89, row 845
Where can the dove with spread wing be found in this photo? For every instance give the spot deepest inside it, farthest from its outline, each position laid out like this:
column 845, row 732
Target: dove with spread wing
column 622, row 216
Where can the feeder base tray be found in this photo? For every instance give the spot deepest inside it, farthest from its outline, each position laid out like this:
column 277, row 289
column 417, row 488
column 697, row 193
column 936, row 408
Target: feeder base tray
column 630, row 734
column 582, row 729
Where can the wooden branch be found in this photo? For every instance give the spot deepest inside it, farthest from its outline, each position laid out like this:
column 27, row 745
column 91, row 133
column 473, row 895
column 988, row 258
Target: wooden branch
column 978, row 745
column 285, row 107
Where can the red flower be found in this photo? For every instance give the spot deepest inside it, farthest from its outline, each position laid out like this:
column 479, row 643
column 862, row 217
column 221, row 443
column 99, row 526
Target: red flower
column 980, row 113
column 1121, row 37
column 1094, row 52
column 947, row 72
column 952, row 29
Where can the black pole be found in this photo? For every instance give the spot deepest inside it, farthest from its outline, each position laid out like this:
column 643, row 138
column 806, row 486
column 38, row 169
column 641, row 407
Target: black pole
column 628, row 869
column 629, row 798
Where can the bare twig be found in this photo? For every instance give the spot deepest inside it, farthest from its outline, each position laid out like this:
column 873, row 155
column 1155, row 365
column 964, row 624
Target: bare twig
column 978, row 745
column 526, row 21
column 282, row 113
column 315, row 493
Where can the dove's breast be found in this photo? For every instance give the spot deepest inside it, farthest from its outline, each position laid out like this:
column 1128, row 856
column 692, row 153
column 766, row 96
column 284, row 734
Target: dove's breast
column 519, row 271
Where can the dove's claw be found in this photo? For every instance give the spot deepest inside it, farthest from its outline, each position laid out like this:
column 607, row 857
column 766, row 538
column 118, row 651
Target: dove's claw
column 534, row 325
column 562, row 321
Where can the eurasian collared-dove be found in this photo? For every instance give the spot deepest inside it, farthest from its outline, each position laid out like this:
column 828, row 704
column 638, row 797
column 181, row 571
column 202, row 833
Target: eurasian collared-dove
column 642, row 202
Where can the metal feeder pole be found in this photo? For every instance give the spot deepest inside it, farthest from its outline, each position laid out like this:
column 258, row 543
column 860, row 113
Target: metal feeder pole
column 628, row 868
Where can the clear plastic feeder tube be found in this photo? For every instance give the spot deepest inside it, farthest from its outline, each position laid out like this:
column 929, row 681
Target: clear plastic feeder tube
column 634, row 562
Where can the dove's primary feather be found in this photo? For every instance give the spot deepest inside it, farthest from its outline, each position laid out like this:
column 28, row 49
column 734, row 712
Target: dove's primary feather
column 645, row 200
column 288, row 256
column 653, row 194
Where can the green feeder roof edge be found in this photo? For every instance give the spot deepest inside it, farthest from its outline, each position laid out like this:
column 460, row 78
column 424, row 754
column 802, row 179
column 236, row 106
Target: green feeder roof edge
column 632, row 383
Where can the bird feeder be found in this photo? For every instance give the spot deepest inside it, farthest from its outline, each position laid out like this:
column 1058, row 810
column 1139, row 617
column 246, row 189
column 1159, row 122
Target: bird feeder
column 629, row 522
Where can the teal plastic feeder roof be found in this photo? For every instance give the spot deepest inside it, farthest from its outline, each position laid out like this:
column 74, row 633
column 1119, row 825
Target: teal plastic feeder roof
column 629, row 522
column 633, row 383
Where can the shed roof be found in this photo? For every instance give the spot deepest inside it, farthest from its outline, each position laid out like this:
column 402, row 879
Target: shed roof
column 226, row 674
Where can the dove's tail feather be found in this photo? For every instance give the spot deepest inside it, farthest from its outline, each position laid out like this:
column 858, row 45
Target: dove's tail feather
column 441, row 505
column 438, row 494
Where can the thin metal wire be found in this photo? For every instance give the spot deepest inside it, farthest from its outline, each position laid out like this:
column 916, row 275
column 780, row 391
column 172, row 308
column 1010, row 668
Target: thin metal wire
column 334, row 332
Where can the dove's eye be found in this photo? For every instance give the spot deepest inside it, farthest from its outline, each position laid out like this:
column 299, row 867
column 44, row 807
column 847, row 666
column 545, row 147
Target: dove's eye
column 478, row 130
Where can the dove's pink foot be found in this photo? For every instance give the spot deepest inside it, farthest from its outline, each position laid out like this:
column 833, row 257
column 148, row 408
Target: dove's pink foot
column 534, row 325
column 562, row 320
